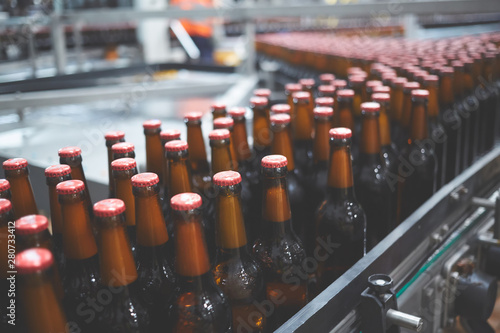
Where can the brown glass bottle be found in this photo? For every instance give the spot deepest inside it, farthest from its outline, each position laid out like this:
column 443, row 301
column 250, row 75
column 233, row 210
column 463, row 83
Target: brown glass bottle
column 261, row 132
column 123, row 150
column 340, row 219
column 471, row 106
column 228, row 123
column 404, row 132
column 40, row 308
column 376, row 193
column 308, row 85
column 357, row 84
column 290, row 89
column 154, row 249
column 418, row 166
column 81, row 278
column 302, row 130
column 154, row 148
column 7, row 236
column 326, row 91
column 369, row 88
column 5, row 192
column 23, row 200
column 397, row 108
column 236, row 271
column 72, row 156
column 344, row 117
column 125, row 312
column 167, row 136
column 197, row 152
column 218, row 110
column 199, row 304
column 489, row 107
column 326, row 78
column 278, row 249
column 123, row 170
column 112, row 138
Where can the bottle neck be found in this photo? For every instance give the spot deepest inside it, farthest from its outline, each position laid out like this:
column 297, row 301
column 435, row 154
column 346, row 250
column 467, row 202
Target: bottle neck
column 397, row 103
column 370, row 134
column 340, row 166
column 419, row 121
column 154, row 152
column 179, row 173
column 433, row 104
column 446, row 91
column 40, row 239
column 4, row 234
column 406, row 116
column 302, row 122
column 468, row 79
column 344, row 117
column 150, row 224
column 117, row 266
column 261, row 124
column 197, row 151
column 78, row 239
column 242, row 149
column 123, row 191
column 384, row 126
column 276, row 204
column 56, row 218
column 190, row 248
column 221, row 156
column 130, row 154
column 357, row 100
column 458, row 83
column 230, row 227
column 320, row 146
column 23, row 199
column 282, row 144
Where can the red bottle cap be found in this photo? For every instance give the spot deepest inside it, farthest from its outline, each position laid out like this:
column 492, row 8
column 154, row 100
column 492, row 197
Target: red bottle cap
column 345, row 93
column 353, row 70
column 15, row 164
column 274, row 161
column 324, row 101
column 176, row 145
column 381, row 89
column 370, row 107
column 411, row 85
column 420, row 93
column 373, row 83
column 122, row 147
column 399, row 81
column 34, row 260
column 340, row 133
column 237, row 111
column 258, row 101
column 123, row 164
column 71, row 151
column 145, row 179
column 5, row 206
column 70, row 187
column 218, row 106
column 339, row 84
column 293, row 87
column 151, row 124
column 223, row 122
column 193, row 116
column 109, row 207
column 323, row 111
column 280, row 118
column 226, row 178
column 262, row 92
column 114, row 135
column 219, row 134
column 446, row 70
column 431, row 78
column 31, row 224
column 307, row 82
column 327, row 77
column 357, row 79
column 301, row 96
column 381, row 97
column 280, row 108
column 326, row 89
column 185, row 201
column 4, row 185
column 58, row 170
column 170, row 134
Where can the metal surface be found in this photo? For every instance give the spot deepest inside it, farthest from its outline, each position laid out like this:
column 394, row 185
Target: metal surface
column 405, row 320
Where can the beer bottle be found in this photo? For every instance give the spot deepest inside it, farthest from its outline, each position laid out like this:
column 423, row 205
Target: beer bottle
column 179, row 169
column 7, row 236
column 167, row 136
column 460, row 110
column 419, row 158
column 339, row 84
column 236, row 271
column 72, row 156
column 397, row 109
column 260, row 128
column 278, row 249
column 357, row 84
column 282, row 145
column 326, row 79
column 489, row 111
column 218, row 110
column 280, row 108
column 5, row 192
column 125, row 311
column 340, row 219
column 369, row 88
column 222, row 158
column 199, row 304
column 197, row 151
column 123, row 170
column 471, row 105
column 324, row 102
column 228, row 123
column 404, row 132
column 308, row 86
column 290, row 89
column 41, row 310
column 81, row 279
column 344, row 116
column 154, row 149
column 262, row 92
column 123, row 150
column 377, row 197
column 451, row 122
column 23, row 200
column 326, row 91
column 436, row 129
column 302, row 129
column 112, row 138
column 154, row 250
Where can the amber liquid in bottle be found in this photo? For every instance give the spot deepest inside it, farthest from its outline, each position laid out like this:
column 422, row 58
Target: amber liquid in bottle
column 75, row 162
column 261, row 133
column 471, row 123
column 154, row 152
column 388, row 148
column 110, row 142
column 222, row 159
column 6, row 223
column 197, row 155
column 23, row 199
column 302, row 129
column 397, row 97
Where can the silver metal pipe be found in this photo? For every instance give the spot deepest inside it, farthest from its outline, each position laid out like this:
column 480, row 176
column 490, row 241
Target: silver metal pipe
column 405, row 320
column 482, row 202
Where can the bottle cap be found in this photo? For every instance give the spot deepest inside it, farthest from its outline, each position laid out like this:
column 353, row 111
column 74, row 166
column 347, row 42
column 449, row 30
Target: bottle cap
column 31, row 224
column 399, row 81
column 151, row 124
column 258, row 101
column 218, row 106
column 145, row 179
column 5, row 206
column 34, row 260
column 307, row 82
column 357, row 79
column 280, row 108
column 122, row 147
column 324, row 101
column 274, row 161
column 373, row 83
column 411, row 85
column 58, row 170
column 226, row 178
column 301, row 96
column 170, row 134
column 420, row 93
column 293, row 87
column 114, row 135
column 185, row 201
column 326, row 89
column 193, row 116
column 176, row 145
column 431, row 78
column 381, row 97
column 109, row 207
column 223, row 122
column 71, row 151
column 339, row 84
column 370, row 107
column 4, row 185
column 280, row 118
column 340, row 133
column 446, row 70
column 15, row 164
column 123, row 164
column 70, row 187
column 381, row 89
column 219, row 134
column 327, row 77
column 345, row 93
column 237, row 111
column 262, row 92
column 323, row 111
